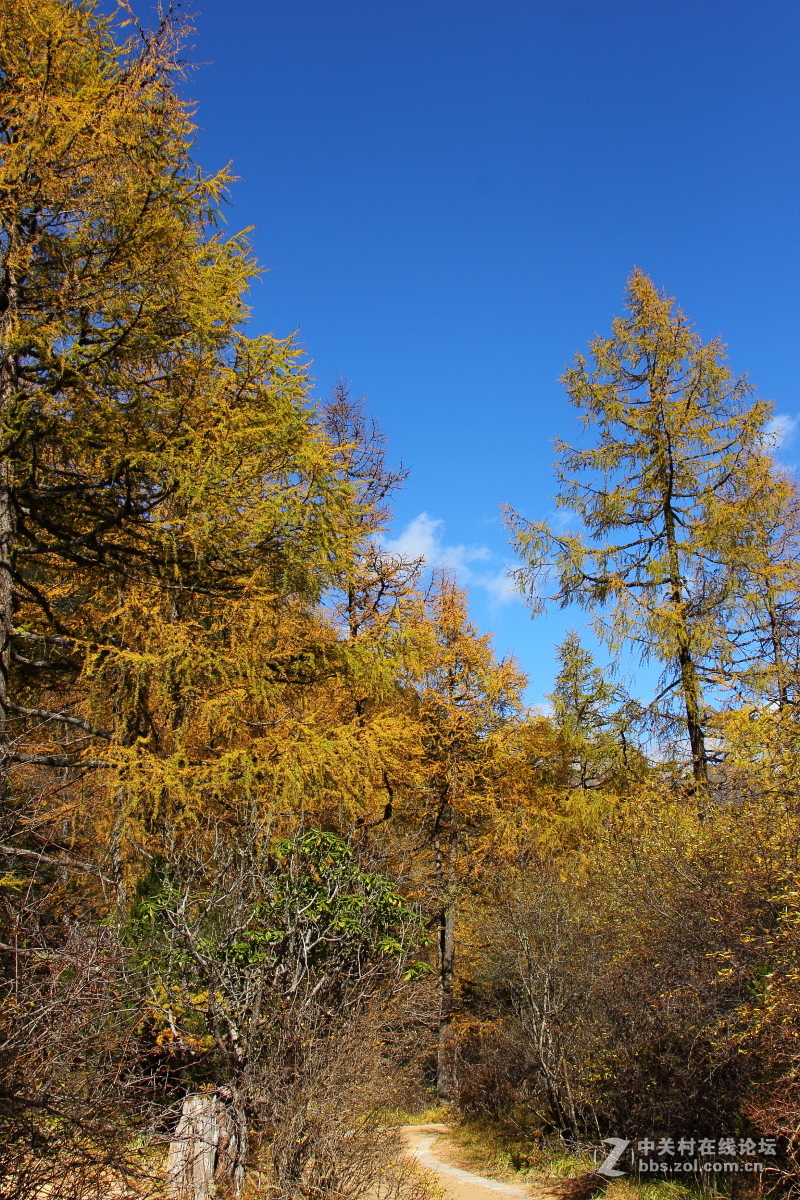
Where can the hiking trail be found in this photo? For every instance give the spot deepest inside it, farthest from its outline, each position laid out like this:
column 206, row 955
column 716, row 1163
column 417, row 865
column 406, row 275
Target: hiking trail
column 458, row 1184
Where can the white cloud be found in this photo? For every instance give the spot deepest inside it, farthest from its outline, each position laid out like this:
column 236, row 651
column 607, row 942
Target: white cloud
column 419, row 539
column 782, row 428
column 422, row 538
column 564, row 520
column 501, row 587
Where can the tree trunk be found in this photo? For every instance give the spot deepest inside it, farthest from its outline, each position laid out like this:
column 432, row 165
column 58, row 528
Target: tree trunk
column 694, row 718
column 445, row 1061
column 207, row 1152
column 690, row 684
column 9, row 295
column 6, row 593
column 777, row 649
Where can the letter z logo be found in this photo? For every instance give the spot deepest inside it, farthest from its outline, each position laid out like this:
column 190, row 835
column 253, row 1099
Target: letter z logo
column 619, row 1146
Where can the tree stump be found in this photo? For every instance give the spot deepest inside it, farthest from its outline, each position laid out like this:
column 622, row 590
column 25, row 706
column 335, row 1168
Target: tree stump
column 207, row 1152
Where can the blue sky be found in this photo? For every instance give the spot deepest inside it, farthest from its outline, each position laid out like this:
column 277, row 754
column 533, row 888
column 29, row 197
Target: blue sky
column 450, row 196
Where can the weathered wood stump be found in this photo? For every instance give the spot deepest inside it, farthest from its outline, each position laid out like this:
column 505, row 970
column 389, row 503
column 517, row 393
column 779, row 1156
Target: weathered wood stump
column 208, row 1149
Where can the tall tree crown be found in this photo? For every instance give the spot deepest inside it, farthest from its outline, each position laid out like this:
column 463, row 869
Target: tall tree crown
column 674, row 428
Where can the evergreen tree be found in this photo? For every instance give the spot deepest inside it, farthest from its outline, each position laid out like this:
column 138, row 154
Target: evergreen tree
column 166, row 489
column 467, row 708
column 595, row 719
column 673, row 428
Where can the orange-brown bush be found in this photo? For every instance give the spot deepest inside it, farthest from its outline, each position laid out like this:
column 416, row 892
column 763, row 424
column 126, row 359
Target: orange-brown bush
column 647, row 985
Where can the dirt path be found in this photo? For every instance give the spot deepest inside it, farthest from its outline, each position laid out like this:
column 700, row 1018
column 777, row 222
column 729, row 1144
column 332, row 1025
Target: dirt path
column 464, row 1185
column 460, row 1185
